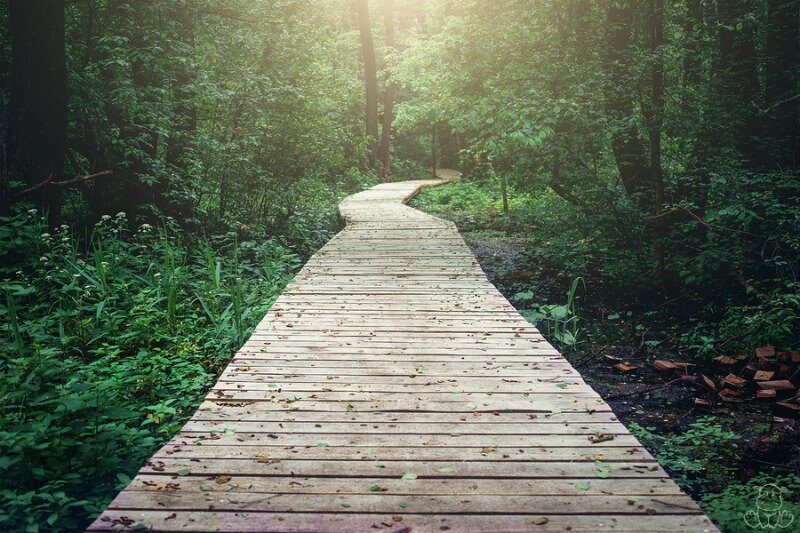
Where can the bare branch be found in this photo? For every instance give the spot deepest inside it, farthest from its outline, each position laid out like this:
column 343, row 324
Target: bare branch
column 50, row 183
column 775, row 105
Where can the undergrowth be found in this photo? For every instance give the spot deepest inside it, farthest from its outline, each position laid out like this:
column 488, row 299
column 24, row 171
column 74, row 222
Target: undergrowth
column 109, row 341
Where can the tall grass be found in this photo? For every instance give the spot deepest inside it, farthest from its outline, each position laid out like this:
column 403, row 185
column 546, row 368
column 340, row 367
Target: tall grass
column 109, row 343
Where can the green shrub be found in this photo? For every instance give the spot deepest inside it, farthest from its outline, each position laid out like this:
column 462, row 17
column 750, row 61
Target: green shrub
column 109, row 342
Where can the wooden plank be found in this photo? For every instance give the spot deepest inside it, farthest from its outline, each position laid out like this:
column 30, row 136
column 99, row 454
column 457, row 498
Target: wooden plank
column 460, row 486
column 391, row 354
column 269, row 452
column 297, row 522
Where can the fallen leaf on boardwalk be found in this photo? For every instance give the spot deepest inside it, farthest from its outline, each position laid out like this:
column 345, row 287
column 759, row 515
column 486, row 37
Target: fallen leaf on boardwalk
column 322, row 445
column 446, row 470
column 582, row 485
column 540, row 521
column 603, row 472
column 346, row 505
column 404, row 504
column 183, row 471
column 600, row 437
column 222, row 479
column 376, row 488
column 409, row 475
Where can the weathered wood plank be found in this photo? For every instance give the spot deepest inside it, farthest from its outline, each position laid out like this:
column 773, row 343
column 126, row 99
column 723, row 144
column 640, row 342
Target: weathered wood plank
column 390, row 354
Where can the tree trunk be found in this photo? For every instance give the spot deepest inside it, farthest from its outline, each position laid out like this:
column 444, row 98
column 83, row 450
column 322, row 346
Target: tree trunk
column 370, row 78
column 5, row 189
column 434, row 159
column 737, row 84
column 655, row 127
column 693, row 30
column 504, row 189
column 388, row 98
column 38, row 107
column 628, row 149
column 185, row 110
column 782, row 73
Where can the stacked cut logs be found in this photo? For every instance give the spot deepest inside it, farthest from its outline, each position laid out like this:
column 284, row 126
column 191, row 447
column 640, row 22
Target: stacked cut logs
column 766, row 375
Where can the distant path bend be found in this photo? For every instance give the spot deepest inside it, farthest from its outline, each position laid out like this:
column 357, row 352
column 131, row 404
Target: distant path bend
column 392, row 387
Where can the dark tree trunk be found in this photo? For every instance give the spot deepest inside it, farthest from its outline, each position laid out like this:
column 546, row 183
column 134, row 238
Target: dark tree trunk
column 370, row 78
column 5, row 190
column 782, row 78
column 628, row 149
column 737, row 84
column 38, row 108
column 388, row 98
column 693, row 27
column 655, row 124
column 434, row 147
column 185, row 113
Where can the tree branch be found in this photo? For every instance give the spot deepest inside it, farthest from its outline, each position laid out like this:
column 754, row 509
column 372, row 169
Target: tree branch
column 682, row 209
column 50, row 183
column 775, row 105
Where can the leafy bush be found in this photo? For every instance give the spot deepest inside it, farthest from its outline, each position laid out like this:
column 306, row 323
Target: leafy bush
column 729, row 507
column 701, row 456
column 701, row 460
column 109, row 343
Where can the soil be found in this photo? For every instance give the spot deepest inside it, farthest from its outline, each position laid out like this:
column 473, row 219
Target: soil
column 645, row 396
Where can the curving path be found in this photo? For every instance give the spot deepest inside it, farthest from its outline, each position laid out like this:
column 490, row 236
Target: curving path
column 392, row 387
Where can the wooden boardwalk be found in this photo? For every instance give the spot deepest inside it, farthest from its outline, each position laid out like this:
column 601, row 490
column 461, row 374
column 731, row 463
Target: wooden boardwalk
column 392, row 387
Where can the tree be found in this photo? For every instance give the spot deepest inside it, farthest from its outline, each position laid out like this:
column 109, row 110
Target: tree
column 737, row 87
column 626, row 145
column 782, row 76
column 37, row 122
column 370, row 78
column 388, row 97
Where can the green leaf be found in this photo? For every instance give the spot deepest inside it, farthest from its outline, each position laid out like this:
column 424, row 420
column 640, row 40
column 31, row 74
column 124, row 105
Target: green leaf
column 409, row 475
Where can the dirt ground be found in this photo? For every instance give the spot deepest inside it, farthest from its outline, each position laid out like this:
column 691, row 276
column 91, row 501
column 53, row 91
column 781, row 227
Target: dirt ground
column 645, row 396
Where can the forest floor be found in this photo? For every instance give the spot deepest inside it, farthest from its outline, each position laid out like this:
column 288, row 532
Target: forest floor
column 712, row 450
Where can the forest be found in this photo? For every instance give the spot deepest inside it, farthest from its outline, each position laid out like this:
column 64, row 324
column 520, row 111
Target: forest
column 630, row 181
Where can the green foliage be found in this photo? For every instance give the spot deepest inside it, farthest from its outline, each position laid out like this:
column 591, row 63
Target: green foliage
column 701, row 460
column 561, row 322
column 108, row 345
column 702, row 455
column 729, row 507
